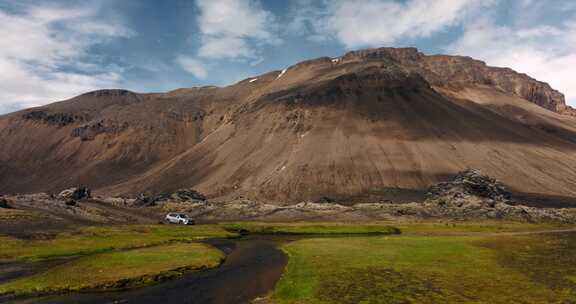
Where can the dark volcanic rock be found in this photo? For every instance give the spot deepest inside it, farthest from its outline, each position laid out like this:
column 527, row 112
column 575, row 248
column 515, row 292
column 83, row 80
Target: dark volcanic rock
column 471, row 195
column 188, row 195
column 145, row 200
column 470, row 182
column 4, row 203
column 71, row 203
column 90, row 131
column 55, row 119
column 77, row 193
column 179, row 196
column 109, row 93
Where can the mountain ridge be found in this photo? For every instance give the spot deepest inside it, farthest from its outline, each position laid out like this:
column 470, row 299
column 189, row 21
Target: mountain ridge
column 342, row 126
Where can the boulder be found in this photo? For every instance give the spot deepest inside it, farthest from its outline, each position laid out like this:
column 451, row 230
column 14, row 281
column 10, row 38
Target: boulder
column 471, row 195
column 76, row 193
column 4, row 203
column 188, row 195
column 145, row 200
column 470, row 182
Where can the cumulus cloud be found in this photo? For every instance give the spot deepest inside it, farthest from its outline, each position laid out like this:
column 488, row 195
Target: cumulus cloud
column 545, row 52
column 379, row 22
column 232, row 30
column 42, row 50
column 192, row 66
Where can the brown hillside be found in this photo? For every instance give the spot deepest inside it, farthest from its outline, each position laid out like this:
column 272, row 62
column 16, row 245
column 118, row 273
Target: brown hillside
column 334, row 127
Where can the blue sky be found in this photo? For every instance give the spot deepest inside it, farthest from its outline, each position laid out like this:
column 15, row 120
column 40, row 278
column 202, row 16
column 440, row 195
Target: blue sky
column 53, row 50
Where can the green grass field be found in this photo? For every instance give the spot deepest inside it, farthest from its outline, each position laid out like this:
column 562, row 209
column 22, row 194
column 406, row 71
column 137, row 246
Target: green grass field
column 98, row 239
column 412, row 268
column 119, row 269
column 429, row 262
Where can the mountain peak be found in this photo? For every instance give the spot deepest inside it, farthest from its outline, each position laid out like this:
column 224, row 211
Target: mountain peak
column 373, row 119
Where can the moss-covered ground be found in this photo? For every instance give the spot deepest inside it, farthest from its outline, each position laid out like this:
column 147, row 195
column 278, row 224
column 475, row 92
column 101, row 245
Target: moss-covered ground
column 433, row 263
column 111, row 256
column 429, row 262
column 119, row 269
column 98, row 239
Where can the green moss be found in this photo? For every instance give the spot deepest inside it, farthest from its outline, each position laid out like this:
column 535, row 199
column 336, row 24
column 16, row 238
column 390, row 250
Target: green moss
column 471, row 228
column 310, row 228
column 415, row 269
column 548, row 259
column 98, row 239
column 119, row 269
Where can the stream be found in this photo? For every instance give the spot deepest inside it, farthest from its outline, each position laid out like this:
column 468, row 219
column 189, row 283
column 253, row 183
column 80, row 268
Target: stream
column 252, row 267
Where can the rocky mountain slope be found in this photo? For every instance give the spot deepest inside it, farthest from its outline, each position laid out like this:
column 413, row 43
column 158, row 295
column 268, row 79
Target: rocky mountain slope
column 339, row 127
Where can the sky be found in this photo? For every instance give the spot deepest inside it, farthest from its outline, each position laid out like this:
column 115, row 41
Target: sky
column 54, row 50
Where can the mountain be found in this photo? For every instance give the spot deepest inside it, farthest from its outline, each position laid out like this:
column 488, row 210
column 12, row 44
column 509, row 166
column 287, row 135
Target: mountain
column 339, row 127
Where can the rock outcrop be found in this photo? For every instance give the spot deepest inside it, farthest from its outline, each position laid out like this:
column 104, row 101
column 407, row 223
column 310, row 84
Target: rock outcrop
column 178, row 196
column 55, row 119
column 76, row 193
column 471, row 195
column 466, row 184
column 90, row 131
column 451, row 71
column 4, row 203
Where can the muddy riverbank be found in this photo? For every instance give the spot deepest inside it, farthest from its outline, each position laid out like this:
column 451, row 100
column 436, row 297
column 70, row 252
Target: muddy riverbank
column 252, row 267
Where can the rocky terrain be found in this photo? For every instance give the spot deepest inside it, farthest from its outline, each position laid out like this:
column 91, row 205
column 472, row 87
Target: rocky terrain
column 340, row 127
column 468, row 196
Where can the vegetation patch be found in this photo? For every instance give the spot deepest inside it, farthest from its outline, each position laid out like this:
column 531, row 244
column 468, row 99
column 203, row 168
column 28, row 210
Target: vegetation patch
column 119, row 269
column 377, row 285
column 99, row 239
column 425, row 269
column 7, row 214
column 471, row 228
column 310, row 228
column 548, row 259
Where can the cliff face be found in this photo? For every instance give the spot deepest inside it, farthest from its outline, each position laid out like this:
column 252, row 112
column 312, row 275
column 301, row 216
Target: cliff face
column 452, row 71
column 362, row 123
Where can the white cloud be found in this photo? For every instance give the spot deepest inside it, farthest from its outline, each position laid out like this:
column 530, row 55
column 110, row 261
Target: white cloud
column 378, row 22
column 40, row 48
column 545, row 52
column 225, row 47
column 233, row 29
column 192, row 66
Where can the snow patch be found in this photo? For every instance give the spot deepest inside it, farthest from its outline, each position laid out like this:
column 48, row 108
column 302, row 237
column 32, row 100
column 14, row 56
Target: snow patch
column 281, row 73
column 336, row 60
column 252, row 80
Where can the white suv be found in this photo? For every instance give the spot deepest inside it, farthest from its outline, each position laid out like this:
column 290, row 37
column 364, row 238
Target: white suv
column 179, row 218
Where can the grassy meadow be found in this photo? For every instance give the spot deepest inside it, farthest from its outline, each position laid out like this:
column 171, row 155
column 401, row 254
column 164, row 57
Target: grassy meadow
column 433, row 263
column 97, row 239
column 119, row 269
column 387, row 262
column 111, row 256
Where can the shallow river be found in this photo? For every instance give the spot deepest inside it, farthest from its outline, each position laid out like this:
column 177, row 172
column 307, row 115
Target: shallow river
column 253, row 266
